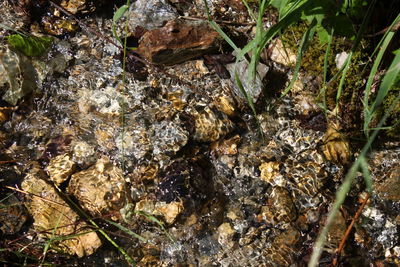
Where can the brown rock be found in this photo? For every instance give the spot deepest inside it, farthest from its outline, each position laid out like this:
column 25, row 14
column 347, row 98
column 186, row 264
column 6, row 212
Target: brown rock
column 389, row 188
column 178, row 41
column 54, row 218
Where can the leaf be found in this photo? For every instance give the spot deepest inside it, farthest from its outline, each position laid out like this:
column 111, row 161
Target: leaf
column 31, row 46
column 119, row 13
column 117, row 16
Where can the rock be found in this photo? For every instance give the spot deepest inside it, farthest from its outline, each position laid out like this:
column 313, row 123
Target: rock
column 168, row 138
column 225, row 235
column 210, row 124
column 282, row 251
column 17, row 75
column 99, row 189
column 278, row 53
column 14, row 14
column 170, row 211
column 13, row 215
column 336, row 232
column 336, row 147
column 252, row 88
column 226, row 146
column 75, row 6
column 178, row 41
column 60, row 168
column 83, row 152
column 340, row 59
column 280, row 209
column 389, row 188
column 269, row 170
column 53, row 217
column 150, row 14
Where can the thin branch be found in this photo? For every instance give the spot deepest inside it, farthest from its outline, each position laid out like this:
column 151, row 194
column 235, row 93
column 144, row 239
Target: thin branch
column 349, row 228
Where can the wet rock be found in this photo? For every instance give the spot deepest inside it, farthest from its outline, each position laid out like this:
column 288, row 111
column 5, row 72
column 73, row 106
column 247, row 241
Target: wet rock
column 269, row 171
column 226, row 146
column 280, row 209
column 52, row 216
column 83, row 153
column 60, row 168
column 170, row 211
column 15, row 15
column 168, row 138
column 225, row 235
column 145, row 205
column 336, row 147
column 225, row 104
column 150, row 14
column 307, row 176
column 210, row 124
column 282, row 251
column 13, row 215
column 389, row 187
column 379, row 232
column 75, row 6
column 99, row 189
column 252, row 87
column 17, row 76
column 178, row 41
column 336, row 232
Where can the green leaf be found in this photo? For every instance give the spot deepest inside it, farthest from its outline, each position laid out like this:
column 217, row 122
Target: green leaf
column 117, row 16
column 119, row 13
column 31, row 46
column 388, row 81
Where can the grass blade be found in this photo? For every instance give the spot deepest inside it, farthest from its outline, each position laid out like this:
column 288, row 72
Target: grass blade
column 307, row 37
column 126, row 230
column 388, row 81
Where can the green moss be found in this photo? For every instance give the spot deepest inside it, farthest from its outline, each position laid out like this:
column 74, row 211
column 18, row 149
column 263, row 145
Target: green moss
column 394, row 117
column 313, row 64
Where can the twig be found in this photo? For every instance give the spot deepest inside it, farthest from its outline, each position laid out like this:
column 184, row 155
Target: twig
column 8, row 108
column 34, row 195
column 7, row 161
column 349, row 228
column 395, row 28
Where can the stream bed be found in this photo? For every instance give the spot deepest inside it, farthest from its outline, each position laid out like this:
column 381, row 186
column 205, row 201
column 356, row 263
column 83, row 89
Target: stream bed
column 172, row 152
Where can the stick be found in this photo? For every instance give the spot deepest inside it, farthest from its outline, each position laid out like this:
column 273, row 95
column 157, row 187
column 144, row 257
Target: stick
column 349, row 228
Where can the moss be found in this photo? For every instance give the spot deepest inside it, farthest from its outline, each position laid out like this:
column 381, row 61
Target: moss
column 394, row 117
column 313, row 64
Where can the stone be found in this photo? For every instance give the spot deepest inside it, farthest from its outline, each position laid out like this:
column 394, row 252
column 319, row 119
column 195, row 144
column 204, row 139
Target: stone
column 13, row 215
column 389, row 188
column 336, row 147
column 150, row 14
column 178, row 41
column 254, row 87
column 170, row 211
column 100, row 189
column 210, row 124
column 60, row 168
column 53, row 217
column 269, row 170
column 225, row 234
